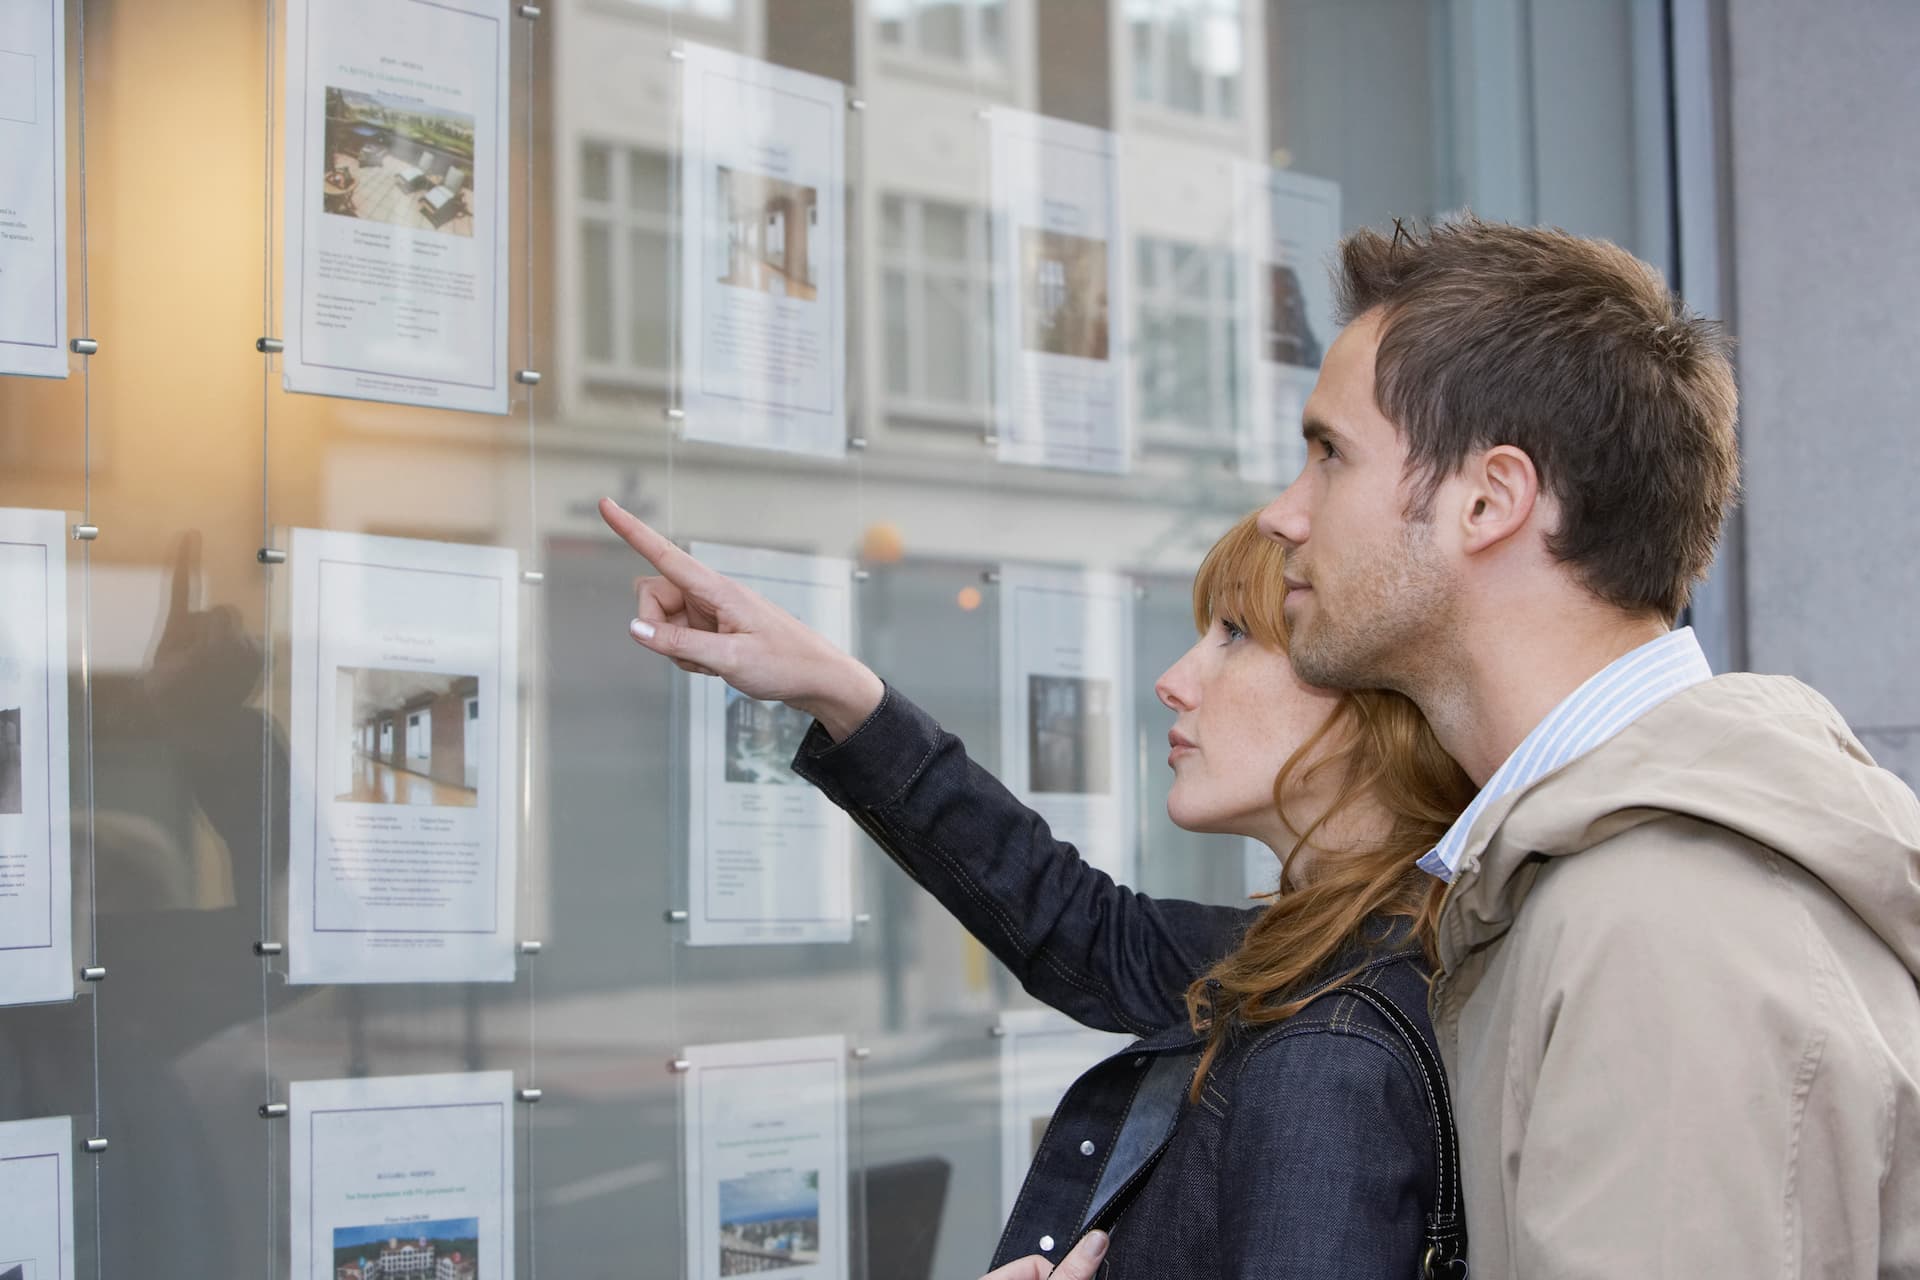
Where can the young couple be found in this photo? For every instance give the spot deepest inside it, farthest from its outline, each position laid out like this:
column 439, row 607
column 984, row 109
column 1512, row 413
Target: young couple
column 1672, row 921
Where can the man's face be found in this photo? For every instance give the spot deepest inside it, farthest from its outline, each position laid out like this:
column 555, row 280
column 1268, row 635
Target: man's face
column 1371, row 596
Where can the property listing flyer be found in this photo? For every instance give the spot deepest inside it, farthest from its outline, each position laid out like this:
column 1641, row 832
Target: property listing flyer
column 36, row 1199
column 404, row 759
column 396, row 211
column 1060, row 317
column 763, row 273
column 770, row 859
column 1066, row 707
column 765, row 1126
column 1290, row 236
column 33, row 189
column 36, row 882
column 403, row 1176
column 1041, row 1054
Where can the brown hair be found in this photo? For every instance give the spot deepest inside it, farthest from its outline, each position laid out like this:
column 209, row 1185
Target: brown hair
column 1574, row 351
column 1379, row 747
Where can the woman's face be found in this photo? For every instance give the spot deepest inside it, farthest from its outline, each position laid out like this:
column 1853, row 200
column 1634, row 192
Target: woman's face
column 1239, row 713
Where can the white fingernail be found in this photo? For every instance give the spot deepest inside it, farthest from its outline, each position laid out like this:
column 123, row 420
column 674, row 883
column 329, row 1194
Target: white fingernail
column 641, row 630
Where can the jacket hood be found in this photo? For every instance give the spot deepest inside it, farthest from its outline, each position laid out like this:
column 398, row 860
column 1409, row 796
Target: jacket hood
column 1763, row 756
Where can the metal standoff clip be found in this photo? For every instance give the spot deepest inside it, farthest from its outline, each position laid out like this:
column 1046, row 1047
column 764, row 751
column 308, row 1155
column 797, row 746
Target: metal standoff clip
column 991, row 439
column 273, row 1110
column 862, row 575
column 990, row 576
column 270, row 555
column 85, row 532
column 533, row 577
column 269, row 346
column 864, row 917
column 84, row 347
column 856, row 104
column 676, row 915
column 527, row 377
column 529, row 1095
column 677, row 55
column 268, row 948
column 857, row 443
column 95, row 1145
column 1139, row 591
column 531, row 12
column 996, row 1032
column 94, row 973
column 531, row 946
column 860, row 1053
column 679, row 1066
column 675, row 414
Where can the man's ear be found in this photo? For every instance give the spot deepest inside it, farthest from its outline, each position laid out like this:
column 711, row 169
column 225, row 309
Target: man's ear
column 1498, row 497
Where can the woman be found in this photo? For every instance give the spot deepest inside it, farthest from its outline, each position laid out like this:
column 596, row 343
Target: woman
column 1265, row 1123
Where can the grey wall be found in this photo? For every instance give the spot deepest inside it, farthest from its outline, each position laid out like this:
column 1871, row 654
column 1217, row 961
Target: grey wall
column 1827, row 269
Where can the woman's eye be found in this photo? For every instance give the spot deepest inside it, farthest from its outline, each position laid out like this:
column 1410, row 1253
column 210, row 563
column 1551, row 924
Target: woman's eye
column 1233, row 629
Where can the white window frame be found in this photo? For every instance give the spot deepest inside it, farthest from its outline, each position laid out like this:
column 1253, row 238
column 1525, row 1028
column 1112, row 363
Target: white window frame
column 1163, row 300
column 973, row 275
column 619, row 216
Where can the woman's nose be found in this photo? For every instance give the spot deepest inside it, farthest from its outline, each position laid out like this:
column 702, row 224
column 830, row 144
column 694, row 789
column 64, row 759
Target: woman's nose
column 1174, row 688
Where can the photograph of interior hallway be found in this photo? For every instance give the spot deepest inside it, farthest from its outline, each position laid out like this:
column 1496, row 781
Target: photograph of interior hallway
column 409, row 737
column 771, row 226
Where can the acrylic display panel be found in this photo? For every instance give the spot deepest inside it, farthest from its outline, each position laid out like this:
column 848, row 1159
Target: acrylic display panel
column 423, row 282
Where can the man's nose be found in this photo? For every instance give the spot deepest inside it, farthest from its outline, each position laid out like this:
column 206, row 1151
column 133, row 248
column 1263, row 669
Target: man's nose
column 1285, row 518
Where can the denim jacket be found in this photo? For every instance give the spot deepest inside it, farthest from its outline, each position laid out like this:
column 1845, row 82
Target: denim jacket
column 1310, row 1152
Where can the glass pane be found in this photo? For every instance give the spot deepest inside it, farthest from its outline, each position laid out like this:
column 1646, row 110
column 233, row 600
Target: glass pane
column 892, row 17
column 943, row 29
column 649, row 181
column 944, row 231
column 993, row 37
column 1190, row 271
column 596, row 171
column 1183, row 86
column 650, row 306
column 596, row 291
column 893, row 222
column 1146, row 84
column 949, row 329
column 899, row 326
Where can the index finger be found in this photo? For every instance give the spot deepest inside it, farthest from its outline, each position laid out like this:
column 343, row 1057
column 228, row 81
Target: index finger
column 186, row 563
column 675, row 565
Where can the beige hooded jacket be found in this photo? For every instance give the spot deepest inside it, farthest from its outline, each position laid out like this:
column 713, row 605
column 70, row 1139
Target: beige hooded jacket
column 1678, row 1003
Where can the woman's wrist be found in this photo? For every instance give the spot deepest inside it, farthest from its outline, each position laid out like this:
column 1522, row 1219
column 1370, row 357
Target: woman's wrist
column 845, row 699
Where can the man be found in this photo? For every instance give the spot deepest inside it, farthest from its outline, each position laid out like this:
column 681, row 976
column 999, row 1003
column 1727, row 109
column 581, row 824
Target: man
column 1677, row 992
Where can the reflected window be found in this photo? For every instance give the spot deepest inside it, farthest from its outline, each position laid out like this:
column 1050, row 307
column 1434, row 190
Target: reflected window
column 626, row 243
column 1187, row 354
column 962, row 32
column 936, row 283
column 1187, row 56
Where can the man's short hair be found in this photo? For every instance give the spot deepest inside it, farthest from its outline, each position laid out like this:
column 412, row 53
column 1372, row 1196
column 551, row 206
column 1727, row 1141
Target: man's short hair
column 1576, row 352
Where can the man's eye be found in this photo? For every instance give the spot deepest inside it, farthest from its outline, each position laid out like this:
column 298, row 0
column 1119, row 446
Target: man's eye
column 1327, row 452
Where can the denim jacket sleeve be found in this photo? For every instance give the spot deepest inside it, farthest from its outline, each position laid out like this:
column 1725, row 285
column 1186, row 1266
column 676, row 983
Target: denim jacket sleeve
column 1093, row 949
column 1326, row 1163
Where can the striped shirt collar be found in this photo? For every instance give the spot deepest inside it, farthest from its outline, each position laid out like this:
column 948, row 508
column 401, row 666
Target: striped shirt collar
column 1619, row 694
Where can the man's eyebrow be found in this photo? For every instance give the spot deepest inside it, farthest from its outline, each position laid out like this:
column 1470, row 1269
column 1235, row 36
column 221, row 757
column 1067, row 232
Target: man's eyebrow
column 1315, row 431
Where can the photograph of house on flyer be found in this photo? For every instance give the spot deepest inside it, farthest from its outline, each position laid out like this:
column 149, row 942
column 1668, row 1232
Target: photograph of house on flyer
column 36, row 881
column 396, row 211
column 403, row 1177
column 770, row 859
column 1060, row 319
column 403, row 756
column 33, row 189
column 36, row 1199
column 763, row 278
column 766, row 1159
column 1290, row 231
